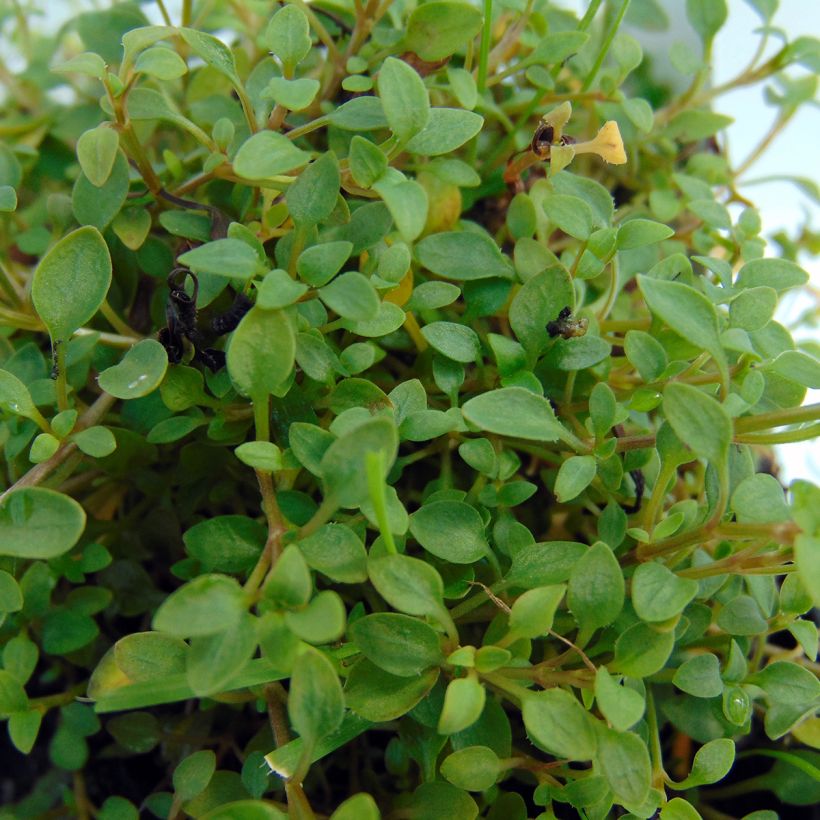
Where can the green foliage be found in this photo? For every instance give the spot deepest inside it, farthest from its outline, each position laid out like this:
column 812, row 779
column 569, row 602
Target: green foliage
column 340, row 426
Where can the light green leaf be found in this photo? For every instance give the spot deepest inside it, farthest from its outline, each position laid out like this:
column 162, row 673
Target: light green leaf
column 624, row 761
column 436, row 30
column 453, row 340
column 312, row 198
column 267, row 154
column 407, row 203
column 315, row 704
column 446, row 130
column 556, row 722
column 658, row 594
column 261, row 353
column 343, row 465
column 698, row 421
column 38, row 523
column 451, row 530
column 516, row 412
column 621, row 706
column 574, row 476
column 228, row 257
column 404, row 98
column 71, row 282
column 162, row 63
column 288, row 36
column 295, row 95
column 214, row 52
column 399, row 644
column 140, row 372
column 462, row 255
column 596, row 588
column 208, row 605
column 96, row 151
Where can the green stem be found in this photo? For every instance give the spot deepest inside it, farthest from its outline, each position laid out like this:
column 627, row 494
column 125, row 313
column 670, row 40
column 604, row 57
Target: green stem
column 658, row 773
column 778, row 418
column 783, row 437
column 374, row 466
column 484, row 52
column 114, row 320
column 166, row 18
column 62, row 382
column 610, row 36
column 186, row 12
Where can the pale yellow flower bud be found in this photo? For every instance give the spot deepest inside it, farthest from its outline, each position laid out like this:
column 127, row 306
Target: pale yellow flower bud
column 607, row 144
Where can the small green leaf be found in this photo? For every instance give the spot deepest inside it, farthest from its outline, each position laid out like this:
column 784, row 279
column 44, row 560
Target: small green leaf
column 212, row 660
column 741, row 616
column 624, row 761
column 780, row 274
column 514, row 411
column 225, row 543
column 532, row 614
column 574, row 476
column 399, row 644
column 538, row 302
column 336, row 551
column 712, row 763
column 11, row 597
column 214, row 52
column 368, row 162
column 596, row 588
column 700, row 676
column 321, row 621
column 646, row 354
column 97, row 441
column 359, row 807
column 24, row 728
column 162, row 63
column 621, row 706
column 316, row 703
column 451, row 530
column 295, row 95
column 706, row 17
column 699, row 421
column 474, row 768
column 453, row 340
column 343, row 464
column 71, row 282
column 38, row 523
column 404, row 98
column 446, row 130
column 407, row 584
column 261, row 353
column 261, row 455
column 193, row 774
column 312, row 198
column 463, row 704
column 228, row 257
column 140, row 372
column 147, row 656
column 436, row 30
column 378, row 696
column 639, row 232
column 320, row 263
column 8, row 199
column 97, row 150
column 407, row 202
column 688, row 312
column 352, row 296
column 268, row 154
column 12, row 695
column 641, row 651
column 15, row 398
column 288, row 36
column 556, row 722
column 570, row 214
column 205, row 606
column 98, row 206
column 462, row 256
column 658, row 594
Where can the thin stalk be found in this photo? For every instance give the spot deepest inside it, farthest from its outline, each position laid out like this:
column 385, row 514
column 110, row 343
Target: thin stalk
column 764, row 144
column 783, row 437
column 613, row 288
column 604, row 50
column 62, row 381
column 484, row 52
column 778, row 418
column 166, row 18
column 114, row 320
column 187, row 5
